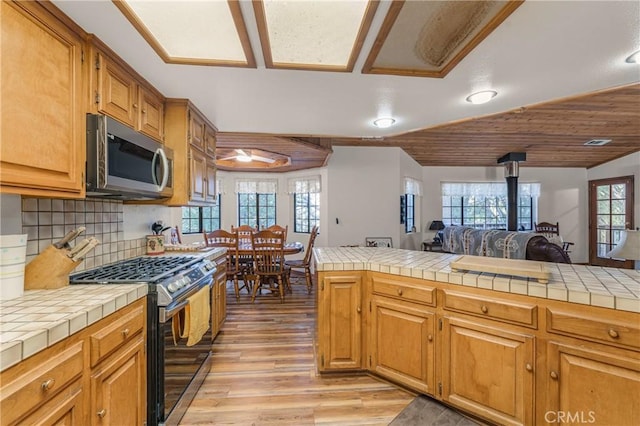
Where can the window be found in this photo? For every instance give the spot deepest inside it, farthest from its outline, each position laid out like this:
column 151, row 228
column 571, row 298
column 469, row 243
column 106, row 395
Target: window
column 306, row 203
column 306, row 212
column 412, row 188
column 200, row 219
column 257, row 202
column 484, row 205
column 257, row 210
column 409, row 212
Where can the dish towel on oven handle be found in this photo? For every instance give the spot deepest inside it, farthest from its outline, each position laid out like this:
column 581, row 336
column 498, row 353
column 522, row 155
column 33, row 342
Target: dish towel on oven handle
column 196, row 317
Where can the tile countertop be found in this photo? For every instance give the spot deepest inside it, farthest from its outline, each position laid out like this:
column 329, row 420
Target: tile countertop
column 40, row 318
column 588, row 285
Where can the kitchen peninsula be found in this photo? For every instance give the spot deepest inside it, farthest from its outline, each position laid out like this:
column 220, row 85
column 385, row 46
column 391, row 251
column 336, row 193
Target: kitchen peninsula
column 506, row 349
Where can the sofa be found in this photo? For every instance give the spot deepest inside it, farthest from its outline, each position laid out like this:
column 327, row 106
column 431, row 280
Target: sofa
column 503, row 244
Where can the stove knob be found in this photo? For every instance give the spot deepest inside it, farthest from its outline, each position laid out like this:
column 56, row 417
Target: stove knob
column 173, row 287
column 180, row 282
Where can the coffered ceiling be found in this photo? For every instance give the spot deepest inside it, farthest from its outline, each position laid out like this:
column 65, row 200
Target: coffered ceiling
column 294, row 78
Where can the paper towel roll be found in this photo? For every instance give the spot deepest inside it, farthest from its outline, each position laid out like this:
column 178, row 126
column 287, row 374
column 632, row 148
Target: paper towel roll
column 13, row 250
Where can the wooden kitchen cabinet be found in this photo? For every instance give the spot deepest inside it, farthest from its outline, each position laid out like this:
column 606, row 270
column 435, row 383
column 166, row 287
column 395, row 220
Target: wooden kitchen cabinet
column 588, row 355
column 192, row 138
column 102, row 367
column 402, row 345
column 29, row 392
column 118, row 91
column 219, row 297
column 579, row 383
column 43, row 90
column 118, row 387
column 488, row 371
column 340, row 321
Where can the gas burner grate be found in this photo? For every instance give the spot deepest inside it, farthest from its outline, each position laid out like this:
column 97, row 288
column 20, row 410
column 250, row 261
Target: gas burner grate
column 138, row 269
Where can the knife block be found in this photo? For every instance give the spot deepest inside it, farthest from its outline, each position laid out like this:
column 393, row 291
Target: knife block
column 49, row 270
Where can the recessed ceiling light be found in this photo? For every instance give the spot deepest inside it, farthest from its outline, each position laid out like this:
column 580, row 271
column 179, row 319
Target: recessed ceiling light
column 634, row 58
column 243, row 158
column 481, row 97
column 383, row 123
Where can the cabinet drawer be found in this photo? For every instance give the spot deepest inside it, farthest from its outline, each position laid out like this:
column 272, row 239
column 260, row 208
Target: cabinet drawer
column 116, row 334
column 593, row 328
column 39, row 384
column 405, row 291
column 503, row 310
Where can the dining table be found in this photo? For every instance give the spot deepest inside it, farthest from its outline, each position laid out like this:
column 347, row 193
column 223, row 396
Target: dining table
column 246, row 249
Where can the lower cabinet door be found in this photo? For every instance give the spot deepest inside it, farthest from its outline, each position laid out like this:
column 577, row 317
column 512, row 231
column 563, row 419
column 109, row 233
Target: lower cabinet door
column 488, row 371
column 66, row 408
column 118, row 387
column 580, row 382
column 339, row 317
column 402, row 343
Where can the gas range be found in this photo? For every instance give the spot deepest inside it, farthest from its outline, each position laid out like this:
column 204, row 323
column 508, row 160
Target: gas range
column 171, row 277
column 171, row 280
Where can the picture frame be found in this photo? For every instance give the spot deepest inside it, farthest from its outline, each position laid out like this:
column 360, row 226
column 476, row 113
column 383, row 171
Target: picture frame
column 378, row 242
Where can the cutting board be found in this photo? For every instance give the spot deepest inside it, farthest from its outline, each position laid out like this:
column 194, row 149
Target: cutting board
column 495, row 265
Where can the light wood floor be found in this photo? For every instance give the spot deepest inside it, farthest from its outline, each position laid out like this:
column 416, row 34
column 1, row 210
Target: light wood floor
column 263, row 373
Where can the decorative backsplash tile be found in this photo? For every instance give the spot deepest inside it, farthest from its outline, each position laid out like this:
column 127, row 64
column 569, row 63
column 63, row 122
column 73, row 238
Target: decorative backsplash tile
column 45, row 221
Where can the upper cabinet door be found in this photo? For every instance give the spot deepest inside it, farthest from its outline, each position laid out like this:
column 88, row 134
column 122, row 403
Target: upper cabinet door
column 117, row 92
column 43, row 119
column 210, row 141
column 151, row 113
column 196, row 131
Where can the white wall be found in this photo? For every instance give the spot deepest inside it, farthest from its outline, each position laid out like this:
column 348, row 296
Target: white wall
column 563, row 197
column 625, row 166
column 363, row 195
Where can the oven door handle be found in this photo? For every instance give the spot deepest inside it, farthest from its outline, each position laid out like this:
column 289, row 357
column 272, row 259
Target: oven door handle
column 166, row 314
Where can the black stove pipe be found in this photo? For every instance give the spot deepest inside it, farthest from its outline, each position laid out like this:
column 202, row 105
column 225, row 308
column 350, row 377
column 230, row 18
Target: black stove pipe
column 511, row 170
column 512, row 203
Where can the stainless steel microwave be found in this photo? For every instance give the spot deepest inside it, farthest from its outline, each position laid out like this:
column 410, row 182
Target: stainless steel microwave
column 125, row 164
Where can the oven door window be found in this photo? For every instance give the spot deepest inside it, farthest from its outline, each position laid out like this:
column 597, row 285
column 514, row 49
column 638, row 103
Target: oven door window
column 181, row 362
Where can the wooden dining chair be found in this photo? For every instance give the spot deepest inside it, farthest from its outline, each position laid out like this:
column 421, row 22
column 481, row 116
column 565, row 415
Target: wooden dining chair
column 235, row 269
column 278, row 228
column 552, row 232
column 268, row 261
column 305, row 263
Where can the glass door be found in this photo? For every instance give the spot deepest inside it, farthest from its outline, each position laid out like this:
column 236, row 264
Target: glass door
column 610, row 212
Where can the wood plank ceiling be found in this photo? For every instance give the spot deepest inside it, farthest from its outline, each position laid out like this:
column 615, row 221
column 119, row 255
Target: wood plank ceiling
column 552, row 134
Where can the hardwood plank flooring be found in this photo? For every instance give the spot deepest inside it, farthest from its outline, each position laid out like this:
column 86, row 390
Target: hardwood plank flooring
column 263, row 372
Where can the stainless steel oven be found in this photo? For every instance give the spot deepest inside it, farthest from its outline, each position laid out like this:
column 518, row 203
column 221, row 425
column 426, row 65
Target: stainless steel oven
column 175, row 371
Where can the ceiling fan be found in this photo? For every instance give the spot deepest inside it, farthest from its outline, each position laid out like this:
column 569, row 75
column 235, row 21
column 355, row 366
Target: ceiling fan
column 243, row 157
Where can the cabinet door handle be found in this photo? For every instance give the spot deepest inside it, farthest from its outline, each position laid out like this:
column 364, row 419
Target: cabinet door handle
column 528, row 367
column 125, row 333
column 484, row 309
column 358, row 309
column 399, row 292
column 430, row 338
column 554, row 375
column 614, row 334
column 46, row 385
column 144, row 110
column 135, row 105
column 101, row 413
